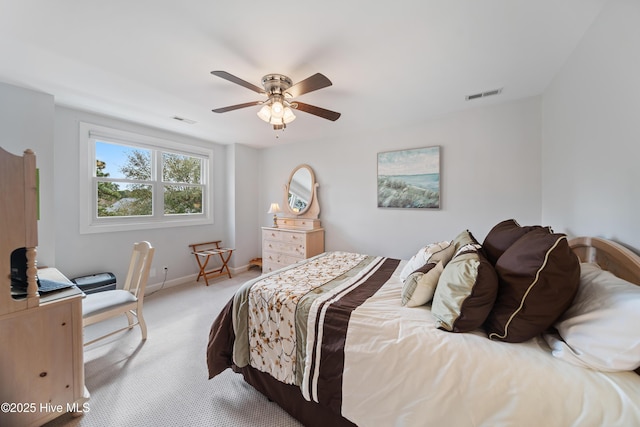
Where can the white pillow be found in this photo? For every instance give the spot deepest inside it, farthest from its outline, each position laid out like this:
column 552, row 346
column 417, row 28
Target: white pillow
column 421, row 258
column 601, row 329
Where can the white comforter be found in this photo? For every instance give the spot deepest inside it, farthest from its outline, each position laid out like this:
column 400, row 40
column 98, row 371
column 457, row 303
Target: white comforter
column 382, row 364
column 402, row 371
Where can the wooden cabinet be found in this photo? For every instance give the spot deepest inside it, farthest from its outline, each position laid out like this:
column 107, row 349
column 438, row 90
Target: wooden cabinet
column 286, row 246
column 42, row 365
column 41, row 350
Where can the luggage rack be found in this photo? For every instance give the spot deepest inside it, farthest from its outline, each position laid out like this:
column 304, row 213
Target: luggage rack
column 203, row 253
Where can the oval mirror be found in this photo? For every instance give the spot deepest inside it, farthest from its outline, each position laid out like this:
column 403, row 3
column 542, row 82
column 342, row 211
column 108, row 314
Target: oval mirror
column 300, row 189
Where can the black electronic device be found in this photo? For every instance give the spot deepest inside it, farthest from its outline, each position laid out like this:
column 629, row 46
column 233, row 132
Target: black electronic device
column 19, row 281
column 96, row 282
column 19, row 268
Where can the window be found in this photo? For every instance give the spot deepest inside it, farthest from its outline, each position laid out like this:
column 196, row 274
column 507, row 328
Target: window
column 135, row 182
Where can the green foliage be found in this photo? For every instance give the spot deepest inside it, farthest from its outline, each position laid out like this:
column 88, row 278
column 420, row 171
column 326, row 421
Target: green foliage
column 108, row 192
column 138, row 165
column 179, row 168
column 394, row 193
column 136, row 199
column 179, row 199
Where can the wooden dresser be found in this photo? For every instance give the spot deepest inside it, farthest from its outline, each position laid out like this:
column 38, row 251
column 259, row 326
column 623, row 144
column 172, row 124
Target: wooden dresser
column 41, row 361
column 293, row 240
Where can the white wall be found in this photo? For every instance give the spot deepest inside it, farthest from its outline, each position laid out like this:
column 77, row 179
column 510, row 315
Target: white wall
column 591, row 138
column 78, row 254
column 568, row 159
column 490, row 171
column 243, row 180
column 26, row 121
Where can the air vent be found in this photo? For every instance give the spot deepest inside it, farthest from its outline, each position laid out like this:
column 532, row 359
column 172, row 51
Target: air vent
column 182, row 119
column 483, row 94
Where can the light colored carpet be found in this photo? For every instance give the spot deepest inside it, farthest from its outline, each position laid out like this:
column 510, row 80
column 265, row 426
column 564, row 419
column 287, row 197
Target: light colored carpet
column 163, row 381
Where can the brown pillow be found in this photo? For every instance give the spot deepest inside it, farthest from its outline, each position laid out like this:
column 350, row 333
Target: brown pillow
column 466, row 291
column 503, row 235
column 538, row 278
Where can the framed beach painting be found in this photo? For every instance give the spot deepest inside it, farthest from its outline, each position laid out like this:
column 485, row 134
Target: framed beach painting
column 409, row 178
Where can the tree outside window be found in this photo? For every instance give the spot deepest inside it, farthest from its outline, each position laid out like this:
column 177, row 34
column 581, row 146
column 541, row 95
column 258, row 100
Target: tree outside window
column 125, row 181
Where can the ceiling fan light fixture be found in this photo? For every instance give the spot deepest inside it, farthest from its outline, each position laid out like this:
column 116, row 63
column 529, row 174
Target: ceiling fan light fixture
column 277, row 109
column 276, row 120
column 265, row 113
column 287, row 115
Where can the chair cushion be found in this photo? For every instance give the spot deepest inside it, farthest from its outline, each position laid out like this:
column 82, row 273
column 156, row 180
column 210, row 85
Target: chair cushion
column 100, row 302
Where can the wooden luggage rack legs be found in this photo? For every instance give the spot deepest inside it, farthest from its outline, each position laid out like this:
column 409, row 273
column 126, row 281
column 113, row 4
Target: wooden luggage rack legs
column 204, row 251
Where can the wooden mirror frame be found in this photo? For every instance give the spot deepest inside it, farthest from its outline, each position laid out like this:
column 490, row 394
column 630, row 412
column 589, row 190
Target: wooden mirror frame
column 312, row 210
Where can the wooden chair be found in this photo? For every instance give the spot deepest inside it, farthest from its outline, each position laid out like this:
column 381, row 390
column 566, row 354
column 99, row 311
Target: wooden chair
column 100, row 306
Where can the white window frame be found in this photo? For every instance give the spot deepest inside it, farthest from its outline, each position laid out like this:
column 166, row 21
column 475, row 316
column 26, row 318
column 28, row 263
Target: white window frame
column 89, row 220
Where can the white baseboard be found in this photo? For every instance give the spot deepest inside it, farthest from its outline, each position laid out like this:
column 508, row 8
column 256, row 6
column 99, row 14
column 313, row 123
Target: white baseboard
column 151, row 288
column 154, row 287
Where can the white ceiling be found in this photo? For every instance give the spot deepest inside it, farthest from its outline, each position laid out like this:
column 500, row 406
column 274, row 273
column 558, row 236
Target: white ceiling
column 391, row 63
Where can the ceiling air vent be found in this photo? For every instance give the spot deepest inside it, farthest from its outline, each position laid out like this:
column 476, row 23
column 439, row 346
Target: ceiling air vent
column 182, row 119
column 483, row 94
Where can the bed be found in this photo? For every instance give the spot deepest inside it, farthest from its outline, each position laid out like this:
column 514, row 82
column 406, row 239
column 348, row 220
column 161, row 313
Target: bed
column 347, row 339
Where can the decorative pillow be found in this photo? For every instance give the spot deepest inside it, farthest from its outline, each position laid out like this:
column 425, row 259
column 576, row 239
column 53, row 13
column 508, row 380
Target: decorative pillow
column 503, row 235
column 420, row 284
column 419, row 287
column 466, row 291
column 462, row 239
column 442, row 251
column 421, row 258
column 600, row 329
column 538, row 277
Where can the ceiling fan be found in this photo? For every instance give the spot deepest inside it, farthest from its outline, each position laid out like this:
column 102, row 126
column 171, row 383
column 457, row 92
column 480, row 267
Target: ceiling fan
column 277, row 109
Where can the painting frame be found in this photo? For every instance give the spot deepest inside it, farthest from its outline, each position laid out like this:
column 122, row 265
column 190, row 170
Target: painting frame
column 409, row 178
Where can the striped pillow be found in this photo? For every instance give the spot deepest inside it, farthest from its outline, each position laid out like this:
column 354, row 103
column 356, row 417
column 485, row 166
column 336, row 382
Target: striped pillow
column 419, row 287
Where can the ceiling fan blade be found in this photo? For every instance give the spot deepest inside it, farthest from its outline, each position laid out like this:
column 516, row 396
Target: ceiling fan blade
column 239, row 81
column 236, row 107
column 315, row 82
column 317, row 111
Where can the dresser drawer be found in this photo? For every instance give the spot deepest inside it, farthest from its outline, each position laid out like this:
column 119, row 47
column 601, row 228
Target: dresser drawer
column 279, row 259
column 273, row 235
column 294, row 249
column 282, row 246
column 283, row 236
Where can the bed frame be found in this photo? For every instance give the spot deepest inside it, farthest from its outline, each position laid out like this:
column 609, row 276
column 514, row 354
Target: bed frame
column 609, row 255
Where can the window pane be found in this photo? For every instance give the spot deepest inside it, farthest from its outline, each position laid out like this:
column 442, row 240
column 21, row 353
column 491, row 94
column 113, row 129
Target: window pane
column 182, row 199
column 181, row 168
column 122, row 199
column 121, row 161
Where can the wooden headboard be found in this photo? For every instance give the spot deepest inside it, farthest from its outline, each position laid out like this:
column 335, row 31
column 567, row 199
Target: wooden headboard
column 609, row 255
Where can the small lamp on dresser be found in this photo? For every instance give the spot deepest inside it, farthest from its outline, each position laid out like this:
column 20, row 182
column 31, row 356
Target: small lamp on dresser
column 274, row 209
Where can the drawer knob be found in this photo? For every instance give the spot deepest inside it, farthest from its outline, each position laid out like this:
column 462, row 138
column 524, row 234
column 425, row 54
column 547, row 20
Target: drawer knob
column 43, row 374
